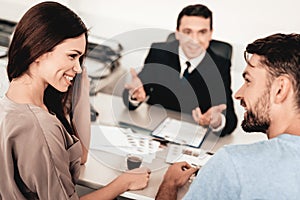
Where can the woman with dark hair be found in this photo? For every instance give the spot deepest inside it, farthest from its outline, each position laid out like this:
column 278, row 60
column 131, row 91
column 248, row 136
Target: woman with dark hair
column 40, row 153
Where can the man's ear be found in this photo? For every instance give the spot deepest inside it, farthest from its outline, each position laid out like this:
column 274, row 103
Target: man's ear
column 210, row 34
column 281, row 89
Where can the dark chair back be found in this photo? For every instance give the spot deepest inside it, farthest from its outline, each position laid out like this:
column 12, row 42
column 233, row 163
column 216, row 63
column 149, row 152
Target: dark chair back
column 220, row 48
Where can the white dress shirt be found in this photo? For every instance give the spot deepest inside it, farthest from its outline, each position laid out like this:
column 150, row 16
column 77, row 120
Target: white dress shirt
column 194, row 62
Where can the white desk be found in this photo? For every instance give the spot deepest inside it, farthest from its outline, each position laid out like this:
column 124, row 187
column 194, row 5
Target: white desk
column 96, row 173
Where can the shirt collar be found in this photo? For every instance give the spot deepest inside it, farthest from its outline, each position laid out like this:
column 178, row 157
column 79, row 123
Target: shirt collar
column 194, row 62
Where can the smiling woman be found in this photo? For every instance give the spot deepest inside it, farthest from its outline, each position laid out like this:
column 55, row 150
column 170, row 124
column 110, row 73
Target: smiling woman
column 31, row 46
column 59, row 66
column 41, row 148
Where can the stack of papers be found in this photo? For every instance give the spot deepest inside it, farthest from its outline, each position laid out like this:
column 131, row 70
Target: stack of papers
column 181, row 132
column 193, row 156
column 122, row 141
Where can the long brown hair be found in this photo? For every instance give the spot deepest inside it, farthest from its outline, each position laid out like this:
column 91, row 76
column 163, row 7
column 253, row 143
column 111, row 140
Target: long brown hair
column 43, row 27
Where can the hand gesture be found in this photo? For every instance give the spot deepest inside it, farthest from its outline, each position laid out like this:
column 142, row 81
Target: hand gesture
column 212, row 116
column 136, row 179
column 135, row 87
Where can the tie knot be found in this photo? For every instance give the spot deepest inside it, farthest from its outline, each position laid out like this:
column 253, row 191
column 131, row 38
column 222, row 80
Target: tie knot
column 186, row 71
column 188, row 64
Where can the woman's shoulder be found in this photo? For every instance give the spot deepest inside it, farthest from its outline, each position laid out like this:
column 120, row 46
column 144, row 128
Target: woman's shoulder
column 27, row 119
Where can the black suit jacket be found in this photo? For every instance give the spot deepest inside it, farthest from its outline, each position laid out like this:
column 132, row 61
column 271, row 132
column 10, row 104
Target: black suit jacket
column 208, row 85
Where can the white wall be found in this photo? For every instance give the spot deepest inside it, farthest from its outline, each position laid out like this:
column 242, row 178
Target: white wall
column 14, row 9
column 236, row 21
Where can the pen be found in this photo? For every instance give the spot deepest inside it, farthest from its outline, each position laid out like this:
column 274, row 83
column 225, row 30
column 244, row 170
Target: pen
column 193, row 176
column 210, row 153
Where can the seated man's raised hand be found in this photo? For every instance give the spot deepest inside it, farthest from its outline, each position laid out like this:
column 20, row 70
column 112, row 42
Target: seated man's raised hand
column 212, row 117
column 135, row 87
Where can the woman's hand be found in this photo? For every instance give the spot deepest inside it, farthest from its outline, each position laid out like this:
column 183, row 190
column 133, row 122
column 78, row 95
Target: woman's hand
column 135, row 179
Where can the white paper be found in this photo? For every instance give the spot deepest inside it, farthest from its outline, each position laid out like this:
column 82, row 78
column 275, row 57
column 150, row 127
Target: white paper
column 194, row 156
column 122, row 141
column 180, row 132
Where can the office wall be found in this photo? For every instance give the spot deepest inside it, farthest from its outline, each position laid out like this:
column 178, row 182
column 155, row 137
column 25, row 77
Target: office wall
column 14, row 9
column 236, row 21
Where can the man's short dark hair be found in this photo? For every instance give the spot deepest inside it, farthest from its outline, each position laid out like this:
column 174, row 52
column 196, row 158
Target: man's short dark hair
column 281, row 56
column 195, row 10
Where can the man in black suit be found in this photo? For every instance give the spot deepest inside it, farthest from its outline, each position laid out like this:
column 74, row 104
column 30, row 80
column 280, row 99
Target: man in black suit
column 186, row 75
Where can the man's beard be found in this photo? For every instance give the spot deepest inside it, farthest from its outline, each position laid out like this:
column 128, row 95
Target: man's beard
column 257, row 119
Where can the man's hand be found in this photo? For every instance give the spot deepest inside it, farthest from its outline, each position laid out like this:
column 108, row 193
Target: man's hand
column 179, row 173
column 176, row 176
column 135, row 87
column 212, row 117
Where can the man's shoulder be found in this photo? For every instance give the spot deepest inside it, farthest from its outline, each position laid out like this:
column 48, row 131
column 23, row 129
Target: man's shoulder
column 167, row 46
column 241, row 149
column 217, row 58
column 276, row 143
column 244, row 154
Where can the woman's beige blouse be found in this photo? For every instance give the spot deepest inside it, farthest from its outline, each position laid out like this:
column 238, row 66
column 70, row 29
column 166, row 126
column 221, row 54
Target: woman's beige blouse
column 38, row 158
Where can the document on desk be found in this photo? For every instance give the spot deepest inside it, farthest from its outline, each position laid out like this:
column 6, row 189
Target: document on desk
column 123, row 141
column 193, row 156
column 181, row 132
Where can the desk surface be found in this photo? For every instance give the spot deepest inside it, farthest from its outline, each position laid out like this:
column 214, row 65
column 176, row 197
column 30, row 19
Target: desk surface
column 96, row 173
